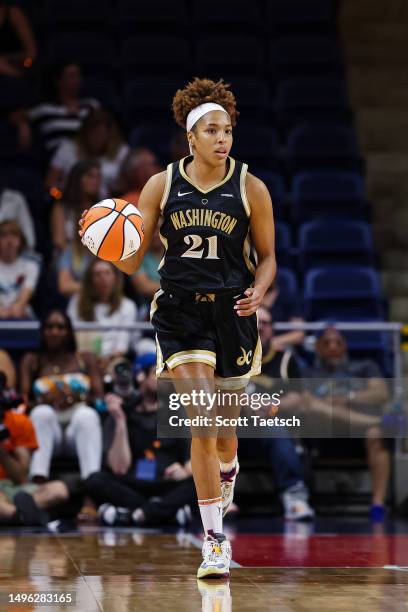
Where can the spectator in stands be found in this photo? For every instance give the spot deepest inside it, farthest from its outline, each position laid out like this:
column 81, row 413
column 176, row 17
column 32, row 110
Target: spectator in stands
column 21, row 502
column 13, row 205
column 356, row 400
column 284, row 308
column 146, row 281
column 18, row 273
column 278, row 368
column 139, row 467
column 82, row 190
column 72, row 264
column 18, row 48
column 61, row 382
column 7, row 366
column 98, row 138
column 101, row 299
column 61, row 117
column 137, row 167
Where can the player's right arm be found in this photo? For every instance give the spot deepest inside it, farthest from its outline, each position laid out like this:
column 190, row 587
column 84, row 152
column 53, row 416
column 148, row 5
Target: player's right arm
column 149, row 205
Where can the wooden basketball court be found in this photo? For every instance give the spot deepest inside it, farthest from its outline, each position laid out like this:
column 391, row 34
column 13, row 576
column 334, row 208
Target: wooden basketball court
column 292, row 568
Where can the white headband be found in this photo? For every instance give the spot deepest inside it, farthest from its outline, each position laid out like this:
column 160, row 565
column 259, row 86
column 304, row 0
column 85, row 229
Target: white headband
column 198, row 112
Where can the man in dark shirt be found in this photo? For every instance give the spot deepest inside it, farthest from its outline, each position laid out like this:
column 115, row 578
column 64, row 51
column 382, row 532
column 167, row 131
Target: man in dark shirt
column 145, row 480
column 278, row 368
column 352, row 395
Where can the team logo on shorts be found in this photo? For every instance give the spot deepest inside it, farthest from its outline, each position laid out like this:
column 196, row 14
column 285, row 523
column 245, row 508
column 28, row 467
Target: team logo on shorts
column 245, row 358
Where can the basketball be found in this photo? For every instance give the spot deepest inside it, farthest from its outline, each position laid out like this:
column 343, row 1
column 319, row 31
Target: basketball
column 113, row 229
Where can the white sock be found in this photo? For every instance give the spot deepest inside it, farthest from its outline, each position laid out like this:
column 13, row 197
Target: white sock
column 211, row 514
column 227, row 467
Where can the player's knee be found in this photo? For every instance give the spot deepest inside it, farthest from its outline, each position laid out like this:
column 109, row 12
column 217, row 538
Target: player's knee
column 207, row 446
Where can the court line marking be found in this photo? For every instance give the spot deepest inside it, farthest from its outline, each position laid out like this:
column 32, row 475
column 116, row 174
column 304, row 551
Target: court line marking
column 199, row 544
column 330, row 567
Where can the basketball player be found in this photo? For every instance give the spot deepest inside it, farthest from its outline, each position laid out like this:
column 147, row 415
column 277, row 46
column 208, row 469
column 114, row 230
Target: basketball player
column 204, row 315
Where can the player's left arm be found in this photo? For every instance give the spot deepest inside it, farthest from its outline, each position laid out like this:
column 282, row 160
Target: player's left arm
column 263, row 235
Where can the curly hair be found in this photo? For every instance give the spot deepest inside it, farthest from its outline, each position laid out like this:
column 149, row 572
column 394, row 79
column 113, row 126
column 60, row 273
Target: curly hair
column 200, row 91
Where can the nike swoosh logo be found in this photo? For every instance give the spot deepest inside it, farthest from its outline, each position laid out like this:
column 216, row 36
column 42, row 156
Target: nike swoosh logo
column 180, row 195
column 227, row 195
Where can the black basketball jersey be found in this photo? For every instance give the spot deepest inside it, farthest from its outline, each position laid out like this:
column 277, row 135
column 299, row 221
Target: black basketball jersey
column 206, row 232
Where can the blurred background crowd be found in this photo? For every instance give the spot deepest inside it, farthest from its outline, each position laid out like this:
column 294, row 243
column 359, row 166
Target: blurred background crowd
column 86, row 89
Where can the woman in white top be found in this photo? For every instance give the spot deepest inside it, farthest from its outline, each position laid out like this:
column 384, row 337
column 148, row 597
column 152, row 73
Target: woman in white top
column 18, row 273
column 98, row 139
column 101, row 299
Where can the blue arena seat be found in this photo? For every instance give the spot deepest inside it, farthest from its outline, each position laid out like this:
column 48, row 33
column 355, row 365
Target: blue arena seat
column 95, row 52
column 371, row 344
column 233, row 14
column 253, row 97
column 312, row 147
column 158, row 15
column 77, row 14
column 287, row 281
column 298, row 15
column 306, row 55
column 228, row 54
column 283, row 244
column 103, row 89
column 153, row 55
column 257, row 145
column 149, row 99
column 155, row 137
column 277, row 191
column 15, row 94
column 301, row 100
column 336, row 292
column 328, row 194
column 328, row 242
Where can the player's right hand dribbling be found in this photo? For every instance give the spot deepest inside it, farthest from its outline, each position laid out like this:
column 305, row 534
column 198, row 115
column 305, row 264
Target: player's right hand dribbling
column 81, row 222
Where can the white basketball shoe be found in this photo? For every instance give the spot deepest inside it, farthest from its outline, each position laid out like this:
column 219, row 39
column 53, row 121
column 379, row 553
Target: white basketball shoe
column 227, row 487
column 216, row 557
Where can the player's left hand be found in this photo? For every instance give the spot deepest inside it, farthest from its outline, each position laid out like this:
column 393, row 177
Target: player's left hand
column 247, row 306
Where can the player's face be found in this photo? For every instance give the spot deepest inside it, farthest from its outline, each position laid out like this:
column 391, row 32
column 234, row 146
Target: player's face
column 212, row 138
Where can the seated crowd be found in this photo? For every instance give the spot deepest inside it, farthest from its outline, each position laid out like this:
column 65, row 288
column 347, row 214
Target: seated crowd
column 89, row 398
column 93, row 405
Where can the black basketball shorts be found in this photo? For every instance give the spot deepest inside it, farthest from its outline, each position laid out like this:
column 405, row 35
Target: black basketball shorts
column 204, row 327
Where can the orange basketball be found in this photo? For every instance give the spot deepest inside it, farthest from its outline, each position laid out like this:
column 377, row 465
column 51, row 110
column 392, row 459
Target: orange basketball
column 113, row 229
